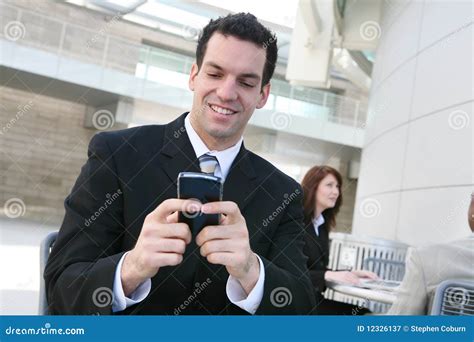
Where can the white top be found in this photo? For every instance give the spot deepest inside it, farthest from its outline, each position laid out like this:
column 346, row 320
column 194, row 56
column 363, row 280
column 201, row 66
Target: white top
column 317, row 222
column 234, row 289
column 225, row 157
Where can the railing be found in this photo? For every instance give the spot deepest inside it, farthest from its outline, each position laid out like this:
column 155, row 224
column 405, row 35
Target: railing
column 146, row 63
column 384, row 257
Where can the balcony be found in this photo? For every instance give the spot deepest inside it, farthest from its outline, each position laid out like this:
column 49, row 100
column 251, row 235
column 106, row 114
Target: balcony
column 41, row 45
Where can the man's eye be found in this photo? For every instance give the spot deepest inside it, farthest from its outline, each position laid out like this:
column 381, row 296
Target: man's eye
column 248, row 85
column 213, row 75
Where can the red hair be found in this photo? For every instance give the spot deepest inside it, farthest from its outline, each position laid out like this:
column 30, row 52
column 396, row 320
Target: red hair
column 310, row 184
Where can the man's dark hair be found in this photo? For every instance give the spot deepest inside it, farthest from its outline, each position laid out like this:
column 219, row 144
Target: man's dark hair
column 244, row 26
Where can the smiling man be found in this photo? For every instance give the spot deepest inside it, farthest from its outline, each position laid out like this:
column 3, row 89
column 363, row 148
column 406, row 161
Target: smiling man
column 135, row 257
column 228, row 85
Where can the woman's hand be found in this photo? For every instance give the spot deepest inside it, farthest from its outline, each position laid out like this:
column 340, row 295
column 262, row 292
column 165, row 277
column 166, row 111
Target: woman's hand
column 343, row 277
column 348, row 277
column 366, row 274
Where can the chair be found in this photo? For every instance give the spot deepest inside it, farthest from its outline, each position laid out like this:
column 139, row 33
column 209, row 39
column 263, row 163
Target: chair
column 45, row 250
column 384, row 268
column 454, row 297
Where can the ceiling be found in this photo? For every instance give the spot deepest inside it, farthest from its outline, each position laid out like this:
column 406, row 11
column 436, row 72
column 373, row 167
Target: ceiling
column 173, row 15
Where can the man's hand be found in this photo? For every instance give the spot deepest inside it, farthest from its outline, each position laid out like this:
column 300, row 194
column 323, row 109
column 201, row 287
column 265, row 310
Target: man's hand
column 162, row 242
column 228, row 244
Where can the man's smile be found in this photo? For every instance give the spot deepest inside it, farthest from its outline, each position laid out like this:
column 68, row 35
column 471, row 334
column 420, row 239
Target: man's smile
column 222, row 110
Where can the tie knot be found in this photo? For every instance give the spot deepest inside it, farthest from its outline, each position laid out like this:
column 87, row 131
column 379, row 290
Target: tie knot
column 208, row 163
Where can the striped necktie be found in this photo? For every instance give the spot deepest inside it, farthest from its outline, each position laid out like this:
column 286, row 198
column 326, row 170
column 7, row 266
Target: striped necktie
column 208, row 164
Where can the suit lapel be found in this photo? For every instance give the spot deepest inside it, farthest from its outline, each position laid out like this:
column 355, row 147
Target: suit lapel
column 317, row 241
column 240, row 185
column 178, row 153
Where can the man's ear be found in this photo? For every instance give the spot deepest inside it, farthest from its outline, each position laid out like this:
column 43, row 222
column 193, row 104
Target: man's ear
column 192, row 76
column 264, row 93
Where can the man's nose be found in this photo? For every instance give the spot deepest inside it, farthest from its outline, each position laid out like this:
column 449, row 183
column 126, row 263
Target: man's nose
column 226, row 91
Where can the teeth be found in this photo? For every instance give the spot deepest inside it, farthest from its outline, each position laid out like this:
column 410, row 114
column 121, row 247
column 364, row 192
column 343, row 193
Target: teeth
column 221, row 110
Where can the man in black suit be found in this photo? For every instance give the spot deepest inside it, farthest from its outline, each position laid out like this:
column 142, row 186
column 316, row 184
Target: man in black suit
column 121, row 248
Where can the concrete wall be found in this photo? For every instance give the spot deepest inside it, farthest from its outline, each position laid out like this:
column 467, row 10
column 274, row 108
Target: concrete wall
column 43, row 147
column 417, row 162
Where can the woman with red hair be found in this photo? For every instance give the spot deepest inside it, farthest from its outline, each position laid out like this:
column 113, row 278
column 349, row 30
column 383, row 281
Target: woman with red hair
column 322, row 201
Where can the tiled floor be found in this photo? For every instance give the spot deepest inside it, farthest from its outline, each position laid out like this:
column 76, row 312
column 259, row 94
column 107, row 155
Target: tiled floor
column 19, row 264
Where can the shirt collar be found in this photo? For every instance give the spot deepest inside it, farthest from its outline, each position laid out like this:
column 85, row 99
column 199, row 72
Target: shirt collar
column 318, row 221
column 225, row 157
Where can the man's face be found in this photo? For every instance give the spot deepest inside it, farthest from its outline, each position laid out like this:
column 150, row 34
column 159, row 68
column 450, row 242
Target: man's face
column 227, row 89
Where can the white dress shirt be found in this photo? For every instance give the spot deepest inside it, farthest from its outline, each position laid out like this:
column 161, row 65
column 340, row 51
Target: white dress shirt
column 318, row 222
column 225, row 157
column 234, row 289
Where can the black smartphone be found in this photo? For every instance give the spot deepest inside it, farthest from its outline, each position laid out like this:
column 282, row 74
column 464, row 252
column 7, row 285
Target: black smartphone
column 203, row 188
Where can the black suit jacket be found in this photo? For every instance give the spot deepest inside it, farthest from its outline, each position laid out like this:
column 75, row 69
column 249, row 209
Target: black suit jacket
column 317, row 251
column 141, row 165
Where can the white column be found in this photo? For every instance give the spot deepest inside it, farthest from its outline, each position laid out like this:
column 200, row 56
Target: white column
column 417, row 170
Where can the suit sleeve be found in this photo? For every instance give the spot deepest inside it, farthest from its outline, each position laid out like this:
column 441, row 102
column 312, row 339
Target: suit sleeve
column 287, row 288
column 412, row 297
column 317, row 278
column 80, row 270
